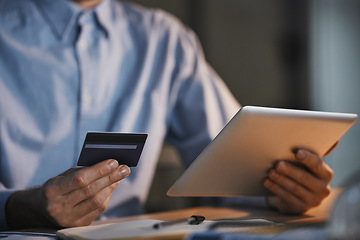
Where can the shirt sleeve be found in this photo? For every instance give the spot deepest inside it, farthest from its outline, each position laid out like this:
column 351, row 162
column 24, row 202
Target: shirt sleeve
column 204, row 104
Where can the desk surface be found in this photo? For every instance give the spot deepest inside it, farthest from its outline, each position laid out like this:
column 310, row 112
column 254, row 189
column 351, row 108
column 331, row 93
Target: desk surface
column 312, row 217
column 309, row 225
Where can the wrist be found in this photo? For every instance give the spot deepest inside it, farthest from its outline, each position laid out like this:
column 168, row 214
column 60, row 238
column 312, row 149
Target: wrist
column 28, row 209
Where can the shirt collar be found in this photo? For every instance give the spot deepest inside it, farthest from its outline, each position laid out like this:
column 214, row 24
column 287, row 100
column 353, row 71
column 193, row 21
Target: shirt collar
column 104, row 16
column 62, row 15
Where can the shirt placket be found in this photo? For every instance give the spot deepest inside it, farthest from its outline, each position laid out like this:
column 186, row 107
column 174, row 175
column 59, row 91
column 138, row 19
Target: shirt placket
column 87, row 56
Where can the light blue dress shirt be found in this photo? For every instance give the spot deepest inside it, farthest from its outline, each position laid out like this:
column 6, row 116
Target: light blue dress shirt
column 65, row 71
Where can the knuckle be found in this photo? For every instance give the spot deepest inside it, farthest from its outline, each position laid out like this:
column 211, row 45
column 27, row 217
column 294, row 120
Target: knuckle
column 277, row 177
column 101, row 208
column 95, row 203
column 79, row 180
column 318, row 165
column 54, row 209
column 323, row 192
column 50, row 189
column 87, row 190
column 331, row 174
column 112, row 177
column 316, row 202
column 294, row 188
column 102, row 171
column 269, row 184
column 49, row 192
column 326, row 191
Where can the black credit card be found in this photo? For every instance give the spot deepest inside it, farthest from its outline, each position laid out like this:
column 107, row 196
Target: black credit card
column 126, row 148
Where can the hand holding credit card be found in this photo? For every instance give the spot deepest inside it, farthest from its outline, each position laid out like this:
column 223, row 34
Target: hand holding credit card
column 126, row 148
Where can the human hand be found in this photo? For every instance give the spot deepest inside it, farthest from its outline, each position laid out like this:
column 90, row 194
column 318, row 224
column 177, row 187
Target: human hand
column 74, row 198
column 297, row 189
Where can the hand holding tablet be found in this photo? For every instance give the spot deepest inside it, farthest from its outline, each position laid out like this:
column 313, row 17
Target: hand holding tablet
column 236, row 162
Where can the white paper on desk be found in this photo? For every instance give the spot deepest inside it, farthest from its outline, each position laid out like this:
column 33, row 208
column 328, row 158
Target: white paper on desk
column 131, row 229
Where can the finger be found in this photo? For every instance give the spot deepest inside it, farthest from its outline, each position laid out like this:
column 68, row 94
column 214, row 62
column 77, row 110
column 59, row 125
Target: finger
column 64, row 208
column 95, row 202
column 276, row 203
column 85, row 176
column 66, row 215
column 91, row 207
column 89, row 218
column 297, row 206
column 69, row 171
column 89, row 190
column 283, row 206
column 298, row 176
column 294, row 188
column 315, row 164
column 52, row 187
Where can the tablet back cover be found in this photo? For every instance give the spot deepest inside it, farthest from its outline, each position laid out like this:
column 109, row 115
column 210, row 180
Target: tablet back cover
column 235, row 163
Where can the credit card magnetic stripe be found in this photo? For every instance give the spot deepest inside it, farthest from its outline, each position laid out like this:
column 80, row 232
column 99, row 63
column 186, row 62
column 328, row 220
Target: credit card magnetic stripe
column 117, row 138
column 110, row 146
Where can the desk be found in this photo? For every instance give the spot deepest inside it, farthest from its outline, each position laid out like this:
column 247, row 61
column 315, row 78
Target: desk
column 295, row 227
column 312, row 217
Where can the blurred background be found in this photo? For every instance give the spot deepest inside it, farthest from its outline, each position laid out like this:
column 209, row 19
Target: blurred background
column 302, row 54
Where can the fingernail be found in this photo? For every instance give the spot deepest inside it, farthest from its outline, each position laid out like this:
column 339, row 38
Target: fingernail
column 124, row 171
column 113, row 164
column 272, row 173
column 280, row 166
column 267, row 183
column 300, row 155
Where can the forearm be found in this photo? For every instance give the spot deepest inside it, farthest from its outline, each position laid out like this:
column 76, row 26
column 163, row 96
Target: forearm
column 74, row 198
column 28, row 209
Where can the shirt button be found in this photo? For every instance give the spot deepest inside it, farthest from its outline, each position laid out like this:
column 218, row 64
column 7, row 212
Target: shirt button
column 83, row 44
column 87, row 101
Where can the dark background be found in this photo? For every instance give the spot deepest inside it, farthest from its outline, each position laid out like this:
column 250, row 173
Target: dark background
column 301, row 54
column 258, row 47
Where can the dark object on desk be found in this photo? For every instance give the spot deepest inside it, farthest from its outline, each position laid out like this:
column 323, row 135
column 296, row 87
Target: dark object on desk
column 193, row 220
column 126, row 148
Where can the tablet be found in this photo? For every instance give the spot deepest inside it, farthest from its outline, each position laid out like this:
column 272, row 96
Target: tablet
column 236, row 162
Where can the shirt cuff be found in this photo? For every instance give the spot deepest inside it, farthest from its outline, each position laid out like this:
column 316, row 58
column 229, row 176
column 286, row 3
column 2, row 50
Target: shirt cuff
column 4, row 196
